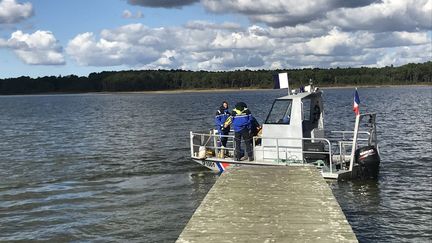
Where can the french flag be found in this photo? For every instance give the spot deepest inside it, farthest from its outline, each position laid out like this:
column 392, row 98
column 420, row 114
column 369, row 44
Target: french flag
column 356, row 105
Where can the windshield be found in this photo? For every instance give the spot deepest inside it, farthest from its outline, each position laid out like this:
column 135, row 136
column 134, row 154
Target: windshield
column 280, row 112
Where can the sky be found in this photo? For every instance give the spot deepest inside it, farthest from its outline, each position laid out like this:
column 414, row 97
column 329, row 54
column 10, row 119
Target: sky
column 52, row 37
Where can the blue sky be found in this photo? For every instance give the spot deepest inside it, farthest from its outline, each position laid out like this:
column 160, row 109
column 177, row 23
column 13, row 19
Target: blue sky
column 39, row 38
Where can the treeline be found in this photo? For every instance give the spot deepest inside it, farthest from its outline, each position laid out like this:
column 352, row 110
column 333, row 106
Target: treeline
column 150, row 80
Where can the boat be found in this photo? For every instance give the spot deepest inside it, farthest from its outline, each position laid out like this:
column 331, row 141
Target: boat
column 293, row 134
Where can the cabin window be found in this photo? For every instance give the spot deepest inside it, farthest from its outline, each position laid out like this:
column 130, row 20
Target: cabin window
column 280, row 112
column 306, row 109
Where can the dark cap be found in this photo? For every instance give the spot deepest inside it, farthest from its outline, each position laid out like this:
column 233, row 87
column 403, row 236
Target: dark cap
column 240, row 106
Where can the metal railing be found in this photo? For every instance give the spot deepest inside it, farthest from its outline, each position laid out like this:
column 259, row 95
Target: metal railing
column 351, row 140
column 351, row 133
column 294, row 149
column 345, row 141
column 211, row 141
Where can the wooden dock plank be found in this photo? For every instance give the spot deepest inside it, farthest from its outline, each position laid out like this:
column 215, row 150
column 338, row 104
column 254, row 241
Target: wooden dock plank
column 269, row 204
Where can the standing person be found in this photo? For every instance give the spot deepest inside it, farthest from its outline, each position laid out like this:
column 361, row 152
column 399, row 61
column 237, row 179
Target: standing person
column 221, row 116
column 255, row 127
column 241, row 120
column 255, row 130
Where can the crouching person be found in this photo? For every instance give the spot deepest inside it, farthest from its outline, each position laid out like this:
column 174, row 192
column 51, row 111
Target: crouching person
column 240, row 120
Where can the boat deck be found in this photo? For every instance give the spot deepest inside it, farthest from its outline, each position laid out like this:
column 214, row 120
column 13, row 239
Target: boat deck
column 269, row 204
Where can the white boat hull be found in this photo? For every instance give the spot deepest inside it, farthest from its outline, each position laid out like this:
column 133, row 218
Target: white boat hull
column 220, row 165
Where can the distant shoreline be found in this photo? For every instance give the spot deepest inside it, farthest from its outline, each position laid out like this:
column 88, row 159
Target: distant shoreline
column 253, row 89
column 375, row 86
column 183, row 81
column 180, row 91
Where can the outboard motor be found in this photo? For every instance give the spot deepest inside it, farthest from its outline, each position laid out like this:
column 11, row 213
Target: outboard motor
column 368, row 159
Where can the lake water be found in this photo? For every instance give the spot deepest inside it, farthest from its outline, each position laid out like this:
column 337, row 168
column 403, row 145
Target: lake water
column 115, row 167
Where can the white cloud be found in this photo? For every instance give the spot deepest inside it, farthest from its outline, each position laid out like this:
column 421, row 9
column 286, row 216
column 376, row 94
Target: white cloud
column 201, row 25
column 404, row 55
column 274, row 13
column 399, row 39
column 241, row 40
column 112, row 49
column 13, row 12
column 370, row 15
column 388, row 15
column 223, row 47
column 326, row 45
column 187, row 47
column 129, row 15
column 291, row 33
column 38, row 48
column 281, row 13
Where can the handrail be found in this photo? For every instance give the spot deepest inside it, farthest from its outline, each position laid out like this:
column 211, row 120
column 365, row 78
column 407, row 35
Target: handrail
column 302, row 151
column 212, row 145
column 288, row 149
column 294, row 151
column 363, row 132
column 210, row 136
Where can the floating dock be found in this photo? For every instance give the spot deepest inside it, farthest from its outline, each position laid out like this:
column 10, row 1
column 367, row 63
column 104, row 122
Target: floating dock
column 269, row 204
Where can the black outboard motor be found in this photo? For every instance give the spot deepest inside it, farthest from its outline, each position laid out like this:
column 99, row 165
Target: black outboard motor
column 368, row 159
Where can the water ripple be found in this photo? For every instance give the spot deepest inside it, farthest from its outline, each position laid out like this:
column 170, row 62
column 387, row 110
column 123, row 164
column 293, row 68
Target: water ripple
column 115, row 167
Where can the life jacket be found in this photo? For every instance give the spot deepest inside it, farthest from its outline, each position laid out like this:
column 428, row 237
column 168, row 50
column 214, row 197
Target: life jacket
column 241, row 119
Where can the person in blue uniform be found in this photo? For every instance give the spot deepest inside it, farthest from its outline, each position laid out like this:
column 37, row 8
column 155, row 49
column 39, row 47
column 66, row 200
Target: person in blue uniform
column 221, row 116
column 241, row 119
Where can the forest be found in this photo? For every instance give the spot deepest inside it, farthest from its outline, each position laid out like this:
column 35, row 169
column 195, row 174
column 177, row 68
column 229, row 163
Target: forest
column 152, row 80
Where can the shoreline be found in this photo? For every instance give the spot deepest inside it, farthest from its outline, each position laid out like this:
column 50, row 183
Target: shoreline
column 179, row 91
column 175, row 91
column 255, row 89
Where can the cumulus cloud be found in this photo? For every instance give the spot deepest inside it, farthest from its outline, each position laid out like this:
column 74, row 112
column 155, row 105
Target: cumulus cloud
column 316, row 15
column 13, row 12
column 273, row 13
column 38, row 48
column 281, row 13
column 403, row 55
column 116, row 47
column 162, row 3
column 371, row 15
column 397, row 39
column 242, row 40
column 201, row 25
column 210, row 46
column 230, row 60
column 388, row 15
column 186, row 47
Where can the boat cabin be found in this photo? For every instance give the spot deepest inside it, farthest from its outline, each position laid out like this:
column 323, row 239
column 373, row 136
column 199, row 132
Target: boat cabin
column 294, row 122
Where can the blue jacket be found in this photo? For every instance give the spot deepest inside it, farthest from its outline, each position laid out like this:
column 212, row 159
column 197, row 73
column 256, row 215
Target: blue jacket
column 240, row 120
column 221, row 116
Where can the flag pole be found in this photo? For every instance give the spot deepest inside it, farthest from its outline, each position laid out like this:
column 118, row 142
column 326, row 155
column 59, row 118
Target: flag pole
column 354, row 145
column 356, row 128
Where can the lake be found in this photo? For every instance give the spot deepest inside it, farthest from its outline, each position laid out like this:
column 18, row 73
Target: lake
column 115, row 167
